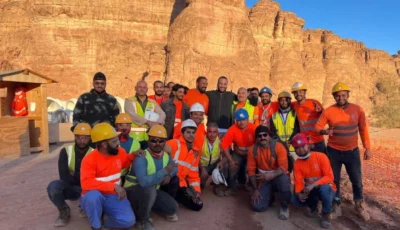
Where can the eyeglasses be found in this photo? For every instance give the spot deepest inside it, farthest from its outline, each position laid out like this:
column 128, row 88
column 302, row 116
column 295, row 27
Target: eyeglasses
column 155, row 141
column 262, row 135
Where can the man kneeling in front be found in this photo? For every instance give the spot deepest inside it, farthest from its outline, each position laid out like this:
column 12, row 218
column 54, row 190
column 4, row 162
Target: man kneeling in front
column 100, row 180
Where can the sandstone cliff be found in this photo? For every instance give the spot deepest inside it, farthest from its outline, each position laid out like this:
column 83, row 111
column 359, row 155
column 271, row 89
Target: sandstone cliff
column 178, row 40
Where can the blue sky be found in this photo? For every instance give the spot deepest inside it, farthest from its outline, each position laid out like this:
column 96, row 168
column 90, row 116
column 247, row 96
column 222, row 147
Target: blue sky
column 376, row 23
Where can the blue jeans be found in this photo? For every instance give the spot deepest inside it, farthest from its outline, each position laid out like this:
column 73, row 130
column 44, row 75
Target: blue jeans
column 118, row 213
column 352, row 162
column 59, row 191
column 323, row 193
column 281, row 184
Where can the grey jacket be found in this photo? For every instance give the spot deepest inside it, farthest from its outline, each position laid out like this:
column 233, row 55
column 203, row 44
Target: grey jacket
column 169, row 108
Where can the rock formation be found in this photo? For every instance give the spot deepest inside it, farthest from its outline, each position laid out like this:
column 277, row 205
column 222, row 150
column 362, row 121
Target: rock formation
column 179, row 40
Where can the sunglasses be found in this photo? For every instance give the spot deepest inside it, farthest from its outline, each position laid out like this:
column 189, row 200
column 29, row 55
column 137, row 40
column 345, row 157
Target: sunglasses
column 155, row 141
column 262, row 135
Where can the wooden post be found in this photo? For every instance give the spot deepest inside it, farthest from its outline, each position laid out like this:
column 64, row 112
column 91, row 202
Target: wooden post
column 44, row 136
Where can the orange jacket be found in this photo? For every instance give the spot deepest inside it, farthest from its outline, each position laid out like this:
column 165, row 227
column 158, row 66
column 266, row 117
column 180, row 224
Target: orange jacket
column 100, row 172
column 308, row 117
column 188, row 163
column 346, row 124
column 19, row 106
column 316, row 169
column 241, row 138
column 159, row 100
column 199, row 138
column 264, row 158
column 193, row 95
column 265, row 112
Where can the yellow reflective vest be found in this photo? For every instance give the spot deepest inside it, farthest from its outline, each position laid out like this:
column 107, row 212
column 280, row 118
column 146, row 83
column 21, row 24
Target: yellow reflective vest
column 70, row 149
column 285, row 129
column 249, row 108
column 139, row 132
column 208, row 158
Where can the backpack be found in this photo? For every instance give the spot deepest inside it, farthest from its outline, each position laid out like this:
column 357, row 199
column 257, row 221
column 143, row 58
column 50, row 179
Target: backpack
column 272, row 145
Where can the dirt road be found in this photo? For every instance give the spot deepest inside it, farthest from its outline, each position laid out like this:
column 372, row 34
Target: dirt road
column 24, row 205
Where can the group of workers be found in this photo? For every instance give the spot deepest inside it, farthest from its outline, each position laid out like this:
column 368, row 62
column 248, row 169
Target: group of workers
column 160, row 152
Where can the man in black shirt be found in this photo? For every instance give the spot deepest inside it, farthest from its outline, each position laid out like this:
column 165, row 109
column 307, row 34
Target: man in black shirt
column 69, row 165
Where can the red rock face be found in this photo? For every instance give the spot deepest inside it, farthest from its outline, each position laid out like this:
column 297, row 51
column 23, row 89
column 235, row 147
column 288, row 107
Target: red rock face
column 178, row 40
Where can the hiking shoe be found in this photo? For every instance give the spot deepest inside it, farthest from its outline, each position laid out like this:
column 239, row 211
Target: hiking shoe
column 219, row 190
column 326, row 220
column 172, row 218
column 144, row 225
column 312, row 213
column 284, row 212
column 63, row 218
column 361, row 212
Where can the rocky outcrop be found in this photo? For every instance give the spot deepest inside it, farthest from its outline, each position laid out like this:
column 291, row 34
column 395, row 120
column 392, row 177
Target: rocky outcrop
column 179, row 40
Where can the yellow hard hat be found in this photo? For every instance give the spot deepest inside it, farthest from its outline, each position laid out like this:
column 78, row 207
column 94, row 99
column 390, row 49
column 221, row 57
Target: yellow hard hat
column 82, row 129
column 340, row 86
column 284, row 94
column 103, row 131
column 157, row 131
column 123, row 118
column 298, row 86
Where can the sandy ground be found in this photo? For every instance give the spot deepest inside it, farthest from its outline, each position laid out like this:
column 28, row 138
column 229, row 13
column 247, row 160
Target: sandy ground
column 25, row 205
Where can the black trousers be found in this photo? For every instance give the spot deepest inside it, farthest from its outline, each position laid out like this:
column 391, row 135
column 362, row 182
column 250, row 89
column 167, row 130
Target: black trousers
column 180, row 195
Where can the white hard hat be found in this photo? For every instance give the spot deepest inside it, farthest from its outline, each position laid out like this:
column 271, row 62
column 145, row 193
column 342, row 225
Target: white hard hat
column 218, row 177
column 197, row 107
column 189, row 123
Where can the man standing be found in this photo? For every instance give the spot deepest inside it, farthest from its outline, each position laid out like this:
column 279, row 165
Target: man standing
column 68, row 187
column 284, row 123
column 101, row 183
column 242, row 136
column 198, row 95
column 175, row 109
column 253, row 96
column 146, row 176
column 313, row 180
column 266, row 108
column 167, row 92
column 269, row 158
column 145, row 113
column 220, row 105
column 244, row 103
column 308, row 112
column 182, row 152
column 96, row 106
column 158, row 96
column 345, row 121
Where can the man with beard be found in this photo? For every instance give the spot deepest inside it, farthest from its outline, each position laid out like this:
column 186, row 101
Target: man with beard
column 68, row 187
column 220, row 105
column 181, row 150
column 267, row 164
column 158, row 87
column 253, row 96
column 244, row 103
column 345, row 121
column 308, row 112
column 175, row 109
column 266, row 107
column 96, row 106
column 146, row 176
column 167, row 92
column 101, row 182
column 284, row 124
column 198, row 95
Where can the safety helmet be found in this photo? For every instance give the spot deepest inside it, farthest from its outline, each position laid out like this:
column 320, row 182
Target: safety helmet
column 82, row 129
column 103, row 131
column 298, row 86
column 189, row 123
column 218, row 177
column 241, row 114
column 340, row 86
column 157, row 131
column 123, row 118
column 284, row 94
column 265, row 90
column 299, row 140
column 197, row 107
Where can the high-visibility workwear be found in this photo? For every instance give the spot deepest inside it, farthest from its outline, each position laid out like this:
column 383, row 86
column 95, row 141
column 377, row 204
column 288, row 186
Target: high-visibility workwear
column 83, row 129
column 103, row 131
column 139, row 132
column 70, row 149
column 210, row 154
column 340, row 86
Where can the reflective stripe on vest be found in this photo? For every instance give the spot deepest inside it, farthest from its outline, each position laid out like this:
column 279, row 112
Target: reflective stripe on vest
column 139, row 132
column 177, row 121
column 207, row 158
column 307, row 125
column 265, row 171
column 311, row 180
column 249, row 108
column 345, row 130
column 284, row 130
column 151, row 169
column 70, row 149
column 111, row 178
column 183, row 163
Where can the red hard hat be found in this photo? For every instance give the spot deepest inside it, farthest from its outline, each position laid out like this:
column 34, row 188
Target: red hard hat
column 299, row 140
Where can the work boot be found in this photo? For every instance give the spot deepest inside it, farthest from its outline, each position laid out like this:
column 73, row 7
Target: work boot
column 219, row 190
column 361, row 212
column 284, row 212
column 172, row 218
column 326, row 220
column 312, row 212
column 63, row 218
column 144, row 225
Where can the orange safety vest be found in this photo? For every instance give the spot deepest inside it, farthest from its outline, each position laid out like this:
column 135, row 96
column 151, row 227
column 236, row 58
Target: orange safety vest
column 188, row 163
column 19, row 106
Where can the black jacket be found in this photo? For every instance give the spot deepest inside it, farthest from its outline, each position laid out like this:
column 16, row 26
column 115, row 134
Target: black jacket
column 220, row 108
column 63, row 169
column 169, row 109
